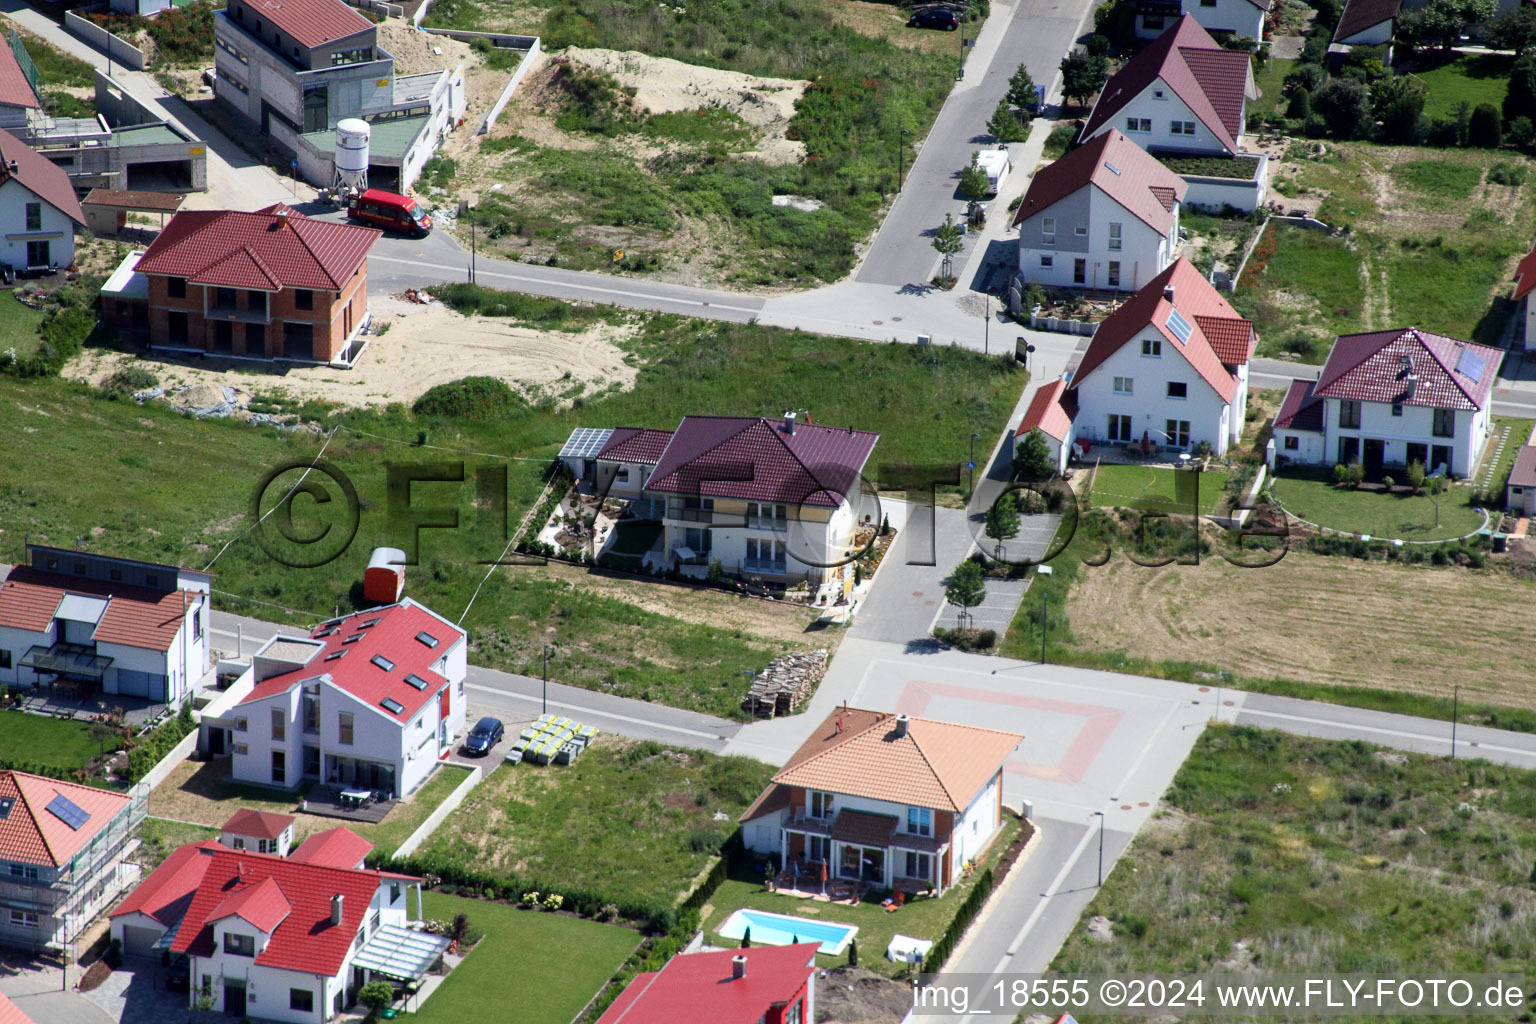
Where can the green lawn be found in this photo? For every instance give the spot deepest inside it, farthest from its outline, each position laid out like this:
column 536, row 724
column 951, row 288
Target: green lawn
column 923, row 918
column 634, row 821
column 404, row 818
column 1310, row 494
column 37, row 739
column 1270, row 82
column 1470, row 78
column 54, row 66
column 1173, row 491
column 532, row 967
column 118, row 472
column 1516, row 432
column 1300, row 276
column 159, row 838
column 1321, row 858
column 18, row 326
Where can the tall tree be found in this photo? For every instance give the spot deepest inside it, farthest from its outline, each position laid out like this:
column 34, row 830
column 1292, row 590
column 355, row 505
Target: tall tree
column 1515, row 30
column 1021, row 90
column 1345, row 106
column 1083, row 75
column 1520, row 95
column 967, row 587
column 1446, row 20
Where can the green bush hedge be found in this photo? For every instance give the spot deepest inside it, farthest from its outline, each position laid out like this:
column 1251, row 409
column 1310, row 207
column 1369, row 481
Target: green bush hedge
column 469, row 398
column 964, row 915
column 155, row 745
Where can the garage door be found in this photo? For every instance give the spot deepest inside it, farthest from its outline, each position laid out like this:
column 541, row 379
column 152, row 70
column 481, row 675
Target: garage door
column 138, row 941
column 140, row 684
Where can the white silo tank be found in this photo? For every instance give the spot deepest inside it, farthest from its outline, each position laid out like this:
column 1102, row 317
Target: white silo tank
column 352, row 154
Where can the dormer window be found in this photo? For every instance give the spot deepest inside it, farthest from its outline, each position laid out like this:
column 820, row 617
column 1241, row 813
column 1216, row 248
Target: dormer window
column 239, row 945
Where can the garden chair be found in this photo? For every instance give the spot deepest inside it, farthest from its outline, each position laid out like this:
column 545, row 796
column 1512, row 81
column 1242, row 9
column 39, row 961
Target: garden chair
column 893, row 902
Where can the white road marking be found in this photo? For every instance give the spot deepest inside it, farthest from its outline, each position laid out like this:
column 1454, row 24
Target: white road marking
column 1354, row 727
column 594, row 713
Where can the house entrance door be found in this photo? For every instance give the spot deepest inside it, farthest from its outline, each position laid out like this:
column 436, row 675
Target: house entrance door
column 234, row 998
column 1375, row 455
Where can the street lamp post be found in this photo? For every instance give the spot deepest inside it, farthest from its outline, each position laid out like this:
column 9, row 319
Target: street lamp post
column 1100, row 815
column 1455, row 705
column 1043, row 570
column 971, row 463
column 901, row 148
column 546, row 679
column 986, row 325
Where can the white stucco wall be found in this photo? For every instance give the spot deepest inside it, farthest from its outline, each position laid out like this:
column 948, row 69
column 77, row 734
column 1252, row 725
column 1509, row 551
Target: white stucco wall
column 55, row 228
column 1415, row 425
column 1148, row 404
column 1144, row 253
column 976, row 826
column 1237, row 16
column 1379, row 34
column 1162, row 105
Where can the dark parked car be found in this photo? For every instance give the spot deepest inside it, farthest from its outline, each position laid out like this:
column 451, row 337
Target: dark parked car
column 485, row 735
column 935, row 17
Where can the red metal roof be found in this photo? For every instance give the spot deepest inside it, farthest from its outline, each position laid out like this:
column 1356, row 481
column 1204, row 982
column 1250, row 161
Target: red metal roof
column 1120, row 169
column 816, row 465
column 636, row 444
column 394, row 638
column 167, row 893
column 1301, row 409
column 10, row 1013
column 1359, row 15
column 1045, row 412
column 1525, row 276
column 1194, row 298
column 304, row 940
column 15, row 90
column 32, row 834
column 135, row 616
column 257, row 824
column 1212, row 81
column 339, row 847
column 1374, row 367
column 39, row 175
column 699, row 987
column 312, row 22
column 273, row 248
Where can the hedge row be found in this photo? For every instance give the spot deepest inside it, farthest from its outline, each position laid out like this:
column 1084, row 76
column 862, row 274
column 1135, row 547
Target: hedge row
column 945, row 944
column 153, row 746
column 35, row 768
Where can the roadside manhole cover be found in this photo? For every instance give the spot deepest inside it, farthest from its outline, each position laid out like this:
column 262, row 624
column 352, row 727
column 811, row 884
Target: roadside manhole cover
column 917, row 593
column 1228, row 703
column 930, row 605
column 1205, row 689
column 877, row 323
column 1125, row 807
column 895, row 319
column 1143, row 804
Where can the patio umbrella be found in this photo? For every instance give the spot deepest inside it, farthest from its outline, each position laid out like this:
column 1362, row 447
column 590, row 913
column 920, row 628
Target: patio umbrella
column 823, row 876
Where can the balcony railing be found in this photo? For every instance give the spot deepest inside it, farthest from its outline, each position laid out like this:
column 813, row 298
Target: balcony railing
column 767, row 523
column 758, row 565
column 806, row 823
column 691, row 515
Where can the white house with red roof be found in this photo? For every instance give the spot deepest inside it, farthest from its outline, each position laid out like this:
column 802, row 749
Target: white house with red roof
column 1388, row 398
column 759, row 985
column 277, row 939
column 262, row 831
column 1105, row 217
column 780, row 499
column 1525, row 295
column 1168, row 368
column 98, row 624
column 145, row 923
column 61, row 856
column 1050, row 411
column 38, row 207
column 17, row 96
column 1218, row 17
column 371, row 700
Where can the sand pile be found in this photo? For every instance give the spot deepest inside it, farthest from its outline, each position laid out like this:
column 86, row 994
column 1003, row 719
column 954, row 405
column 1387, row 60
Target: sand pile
column 413, row 49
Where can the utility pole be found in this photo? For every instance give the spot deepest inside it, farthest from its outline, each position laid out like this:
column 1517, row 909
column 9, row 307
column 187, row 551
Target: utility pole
column 1100, row 815
column 1455, row 706
column 546, row 679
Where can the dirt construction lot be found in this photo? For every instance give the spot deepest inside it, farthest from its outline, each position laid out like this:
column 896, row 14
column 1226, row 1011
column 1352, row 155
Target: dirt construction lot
column 424, row 346
column 1323, row 620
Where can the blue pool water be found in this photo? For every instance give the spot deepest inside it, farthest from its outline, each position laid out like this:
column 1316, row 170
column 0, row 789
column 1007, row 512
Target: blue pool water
column 781, row 930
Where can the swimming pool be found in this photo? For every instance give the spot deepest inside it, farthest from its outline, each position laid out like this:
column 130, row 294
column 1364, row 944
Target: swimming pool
column 782, row 930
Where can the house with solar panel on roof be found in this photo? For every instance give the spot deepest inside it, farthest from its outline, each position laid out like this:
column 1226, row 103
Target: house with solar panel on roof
column 779, row 499
column 61, row 857
column 369, row 701
column 1388, row 398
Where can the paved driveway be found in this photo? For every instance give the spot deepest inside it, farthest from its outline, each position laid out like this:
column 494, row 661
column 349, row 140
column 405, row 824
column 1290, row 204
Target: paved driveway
column 906, row 597
column 132, row 994
column 1003, row 598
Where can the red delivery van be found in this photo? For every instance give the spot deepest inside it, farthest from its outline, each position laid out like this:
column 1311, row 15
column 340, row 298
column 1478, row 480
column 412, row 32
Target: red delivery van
column 391, row 212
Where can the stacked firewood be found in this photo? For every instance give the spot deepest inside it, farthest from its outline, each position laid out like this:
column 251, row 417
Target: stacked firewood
column 784, row 685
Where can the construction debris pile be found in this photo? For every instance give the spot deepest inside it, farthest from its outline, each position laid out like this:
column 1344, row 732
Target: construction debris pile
column 784, row 685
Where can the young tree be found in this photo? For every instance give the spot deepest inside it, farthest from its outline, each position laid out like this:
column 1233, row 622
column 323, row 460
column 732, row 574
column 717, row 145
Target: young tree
column 1522, row 133
column 1301, row 104
column 1434, row 487
column 1002, row 519
column 1345, row 107
column 1032, row 457
column 1520, row 94
column 948, row 239
column 1082, row 75
column 1398, row 103
column 967, row 587
column 1414, row 476
column 1485, row 131
column 101, row 732
column 973, row 180
column 1021, row 90
column 1004, row 125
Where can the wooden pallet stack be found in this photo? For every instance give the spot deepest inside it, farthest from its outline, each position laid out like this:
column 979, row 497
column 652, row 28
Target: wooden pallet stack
column 784, row 685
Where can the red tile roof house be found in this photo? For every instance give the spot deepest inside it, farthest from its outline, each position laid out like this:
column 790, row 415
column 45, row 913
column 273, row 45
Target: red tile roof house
column 261, row 831
column 105, row 625
column 61, row 855
column 779, row 499
column 1185, row 95
column 1218, row 17
column 760, row 985
column 1169, row 367
column 10, row 1013
column 1387, row 398
column 1525, row 295
column 372, row 700
column 1050, row 411
column 1103, row 217
column 271, row 938
column 38, row 207
column 1366, row 23
column 273, row 284
column 885, row 799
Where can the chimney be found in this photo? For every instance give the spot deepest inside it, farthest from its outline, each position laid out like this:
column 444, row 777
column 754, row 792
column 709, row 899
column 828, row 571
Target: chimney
column 14, row 167
column 901, row 725
column 789, row 423
column 807, row 416
column 336, row 909
column 1168, row 293
column 738, row 967
column 1412, row 379
column 282, row 218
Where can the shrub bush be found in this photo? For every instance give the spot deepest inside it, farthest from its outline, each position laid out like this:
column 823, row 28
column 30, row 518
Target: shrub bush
column 1485, row 130
column 128, row 381
column 469, row 398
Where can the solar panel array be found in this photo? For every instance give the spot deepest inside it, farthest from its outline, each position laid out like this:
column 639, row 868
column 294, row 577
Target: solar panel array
column 1471, row 365
column 586, row 442
column 66, row 810
column 1179, row 326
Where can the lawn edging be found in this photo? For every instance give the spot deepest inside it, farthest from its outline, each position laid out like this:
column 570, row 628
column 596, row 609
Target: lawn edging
column 991, row 879
column 450, row 803
column 1004, row 875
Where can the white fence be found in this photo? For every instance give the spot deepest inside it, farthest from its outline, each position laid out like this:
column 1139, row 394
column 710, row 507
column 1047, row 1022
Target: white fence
column 512, row 84
column 447, row 807
column 167, row 764
column 117, row 49
column 379, row 7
